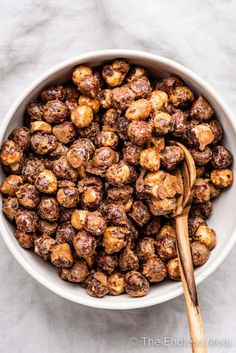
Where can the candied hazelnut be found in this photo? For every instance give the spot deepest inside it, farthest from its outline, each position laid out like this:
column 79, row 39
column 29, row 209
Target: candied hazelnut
column 203, row 209
column 167, row 230
column 221, row 158
column 85, row 244
column 60, row 151
column 65, row 132
column 95, row 223
column 93, row 103
column 78, row 219
column 194, row 222
column 107, row 139
column 55, row 111
column 61, row 255
column 91, row 132
column 77, row 273
column 28, row 196
column 171, row 156
column 14, row 168
column 162, row 123
column 43, row 246
column 80, row 152
column 31, row 168
column 162, row 185
column 43, row 143
column 63, row 170
column 52, row 93
column 158, row 142
column 98, row 285
column 80, row 72
column 35, row 111
column 82, row 116
column 150, row 159
column 49, row 209
column 115, row 73
column 120, row 194
column 200, row 253
column 122, row 97
column 140, row 86
column 118, row 174
column 215, row 192
column 136, row 72
column 10, row 206
column 11, row 153
column 138, row 110
column 40, row 126
column 205, row 235
column 179, row 124
column 11, row 184
column 71, row 91
column 162, row 207
column 221, row 178
column 26, row 240
column 46, row 227
column 139, row 132
column 158, row 100
column 89, row 181
column 131, row 153
column 115, row 213
column 168, row 84
column 216, row 129
column 200, row 136
column 104, row 98
column 181, row 96
column 123, row 125
column 154, row 269
column 68, row 197
column 173, row 269
column 166, row 247
column 201, row 109
column 65, row 214
column 114, row 239
column 106, row 262
column 146, row 248
column 91, row 197
column 26, row 220
column 89, row 85
column 128, row 260
column 71, row 104
column 201, row 158
column 46, row 182
column 116, row 283
column 136, row 284
column 65, row 183
column 201, row 191
column 21, row 137
column 140, row 213
column 110, row 120
column 153, row 227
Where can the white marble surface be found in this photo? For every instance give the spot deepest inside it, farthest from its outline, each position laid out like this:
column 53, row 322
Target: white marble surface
column 34, row 35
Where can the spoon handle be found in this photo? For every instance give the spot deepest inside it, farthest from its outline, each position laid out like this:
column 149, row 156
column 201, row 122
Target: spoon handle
column 189, row 286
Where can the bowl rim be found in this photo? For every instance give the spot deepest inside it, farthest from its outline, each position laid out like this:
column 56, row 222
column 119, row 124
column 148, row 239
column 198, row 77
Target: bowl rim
column 98, row 303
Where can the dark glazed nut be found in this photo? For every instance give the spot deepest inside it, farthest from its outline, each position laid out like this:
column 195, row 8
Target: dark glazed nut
column 116, row 283
column 65, row 233
column 31, row 168
column 140, row 213
column 162, row 123
column 166, row 247
column 21, row 137
column 10, row 153
column 65, row 214
column 169, row 83
column 128, row 260
column 153, row 227
column 82, row 116
column 61, row 255
column 122, row 97
column 68, row 197
column 49, row 209
column 162, row 207
column 139, row 132
column 173, row 269
column 154, row 269
column 201, row 158
column 179, row 128
column 35, row 111
column 43, row 246
column 95, row 223
column 52, row 93
column 115, row 214
column 141, row 87
column 98, row 285
column 85, row 244
column 71, row 104
column 203, row 209
column 200, row 253
column 26, row 221
column 206, row 236
column 63, row 170
column 104, row 98
column 136, row 284
column 28, row 196
column 201, row 109
column 47, row 228
column 65, row 132
column 131, row 153
column 146, row 248
column 10, row 206
column 171, row 156
column 46, row 182
column 120, row 194
column 123, row 125
column 217, row 130
column 11, row 184
column 181, row 96
column 91, row 132
column 26, row 240
column 222, row 178
column 110, row 120
column 79, row 152
column 76, row 273
column 114, row 239
column 71, row 92
column 89, row 86
column 118, row 174
column 150, row 159
column 201, row 191
column 107, row 263
column 221, row 158
column 43, row 143
column 55, row 112
column 194, row 222
column 89, row 181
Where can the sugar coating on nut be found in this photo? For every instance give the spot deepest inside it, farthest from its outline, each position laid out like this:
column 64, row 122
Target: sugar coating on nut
column 136, row 284
column 46, row 182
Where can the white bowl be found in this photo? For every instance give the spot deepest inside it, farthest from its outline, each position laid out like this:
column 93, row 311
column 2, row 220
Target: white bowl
column 223, row 218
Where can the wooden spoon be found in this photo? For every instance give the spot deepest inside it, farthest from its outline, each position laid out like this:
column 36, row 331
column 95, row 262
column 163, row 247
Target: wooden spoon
column 188, row 172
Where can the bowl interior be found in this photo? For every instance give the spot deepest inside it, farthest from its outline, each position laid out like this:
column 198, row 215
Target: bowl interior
column 222, row 219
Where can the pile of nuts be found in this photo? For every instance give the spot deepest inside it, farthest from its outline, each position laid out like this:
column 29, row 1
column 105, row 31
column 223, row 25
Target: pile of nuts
column 91, row 180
